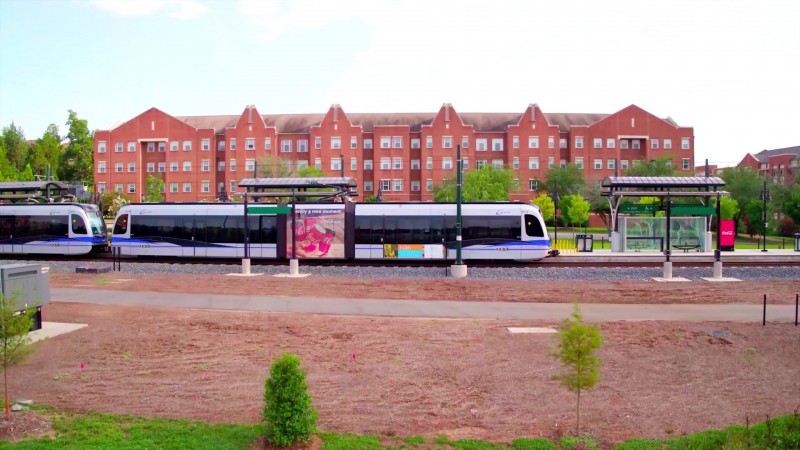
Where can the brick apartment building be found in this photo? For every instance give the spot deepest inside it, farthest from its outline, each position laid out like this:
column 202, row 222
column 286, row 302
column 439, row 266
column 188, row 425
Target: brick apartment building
column 402, row 155
column 782, row 164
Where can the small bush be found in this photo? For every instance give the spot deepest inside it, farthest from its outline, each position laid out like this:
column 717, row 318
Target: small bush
column 287, row 404
column 533, row 444
column 641, row 444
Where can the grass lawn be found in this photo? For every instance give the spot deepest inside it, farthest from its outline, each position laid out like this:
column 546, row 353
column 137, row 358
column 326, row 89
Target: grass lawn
column 106, row 431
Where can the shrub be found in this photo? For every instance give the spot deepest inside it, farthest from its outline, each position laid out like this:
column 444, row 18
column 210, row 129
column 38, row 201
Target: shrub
column 533, row 444
column 288, row 413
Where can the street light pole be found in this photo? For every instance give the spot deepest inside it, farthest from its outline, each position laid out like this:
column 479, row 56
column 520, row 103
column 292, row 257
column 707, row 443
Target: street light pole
column 555, row 214
column 764, row 197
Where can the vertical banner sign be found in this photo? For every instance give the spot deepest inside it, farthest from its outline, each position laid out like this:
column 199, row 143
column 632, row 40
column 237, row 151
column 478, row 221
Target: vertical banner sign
column 727, row 234
column 319, row 232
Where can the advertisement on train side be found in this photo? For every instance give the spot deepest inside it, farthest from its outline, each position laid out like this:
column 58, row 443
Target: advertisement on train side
column 319, row 233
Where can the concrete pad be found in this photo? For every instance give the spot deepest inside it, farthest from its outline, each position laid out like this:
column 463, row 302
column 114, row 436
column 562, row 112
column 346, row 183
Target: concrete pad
column 668, row 280
column 52, row 329
column 721, row 279
column 243, row 274
column 289, row 275
column 531, row 330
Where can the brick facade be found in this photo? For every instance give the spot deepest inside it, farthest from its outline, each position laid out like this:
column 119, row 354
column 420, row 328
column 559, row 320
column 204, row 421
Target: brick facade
column 782, row 164
column 402, row 155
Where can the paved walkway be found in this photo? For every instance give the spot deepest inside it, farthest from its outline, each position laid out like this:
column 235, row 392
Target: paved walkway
column 428, row 308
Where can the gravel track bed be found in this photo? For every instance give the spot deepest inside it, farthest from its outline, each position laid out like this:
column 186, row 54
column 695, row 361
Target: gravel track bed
column 521, row 273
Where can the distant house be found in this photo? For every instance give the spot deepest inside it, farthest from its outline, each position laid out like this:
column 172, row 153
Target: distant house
column 782, row 164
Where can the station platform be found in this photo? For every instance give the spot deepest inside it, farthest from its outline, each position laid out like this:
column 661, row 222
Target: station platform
column 789, row 257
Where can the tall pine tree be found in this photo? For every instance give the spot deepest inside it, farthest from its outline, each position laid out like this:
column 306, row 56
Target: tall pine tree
column 77, row 162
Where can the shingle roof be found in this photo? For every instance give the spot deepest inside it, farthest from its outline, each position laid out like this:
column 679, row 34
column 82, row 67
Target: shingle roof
column 764, row 155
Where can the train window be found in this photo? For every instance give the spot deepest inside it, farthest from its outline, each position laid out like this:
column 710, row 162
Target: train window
column 405, row 231
column 96, row 222
column 437, row 230
column 377, row 229
column 363, row 230
column 78, row 224
column 41, row 226
column 421, row 230
column 477, row 227
column 121, row 225
column 169, row 227
column 269, row 230
column 225, row 229
column 533, row 227
column 6, row 227
column 450, row 228
column 390, row 230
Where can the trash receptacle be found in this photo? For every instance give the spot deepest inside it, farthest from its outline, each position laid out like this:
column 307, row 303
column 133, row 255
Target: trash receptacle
column 797, row 242
column 584, row 242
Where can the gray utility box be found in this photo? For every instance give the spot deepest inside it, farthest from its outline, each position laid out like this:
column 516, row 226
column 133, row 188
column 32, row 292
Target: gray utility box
column 30, row 284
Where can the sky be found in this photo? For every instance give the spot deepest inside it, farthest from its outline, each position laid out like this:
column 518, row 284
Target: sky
column 728, row 68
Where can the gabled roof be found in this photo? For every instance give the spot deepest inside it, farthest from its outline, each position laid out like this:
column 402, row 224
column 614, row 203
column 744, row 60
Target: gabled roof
column 662, row 182
column 764, row 155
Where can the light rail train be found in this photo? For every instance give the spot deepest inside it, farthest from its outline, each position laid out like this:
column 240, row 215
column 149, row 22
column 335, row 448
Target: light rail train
column 52, row 228
column 349, row 231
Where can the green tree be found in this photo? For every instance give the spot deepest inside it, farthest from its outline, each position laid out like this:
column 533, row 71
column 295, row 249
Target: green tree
column 14, row 341
column 288, row 413
column 578, row 210
column 728, row 208
column 16, row 146
column 26, row 174
column 272, row 167
column 577, row 344
column 153, row 188
column 546, row 206
column 598, row 204
column 791, row 204
column 744, row 184
column 567, row 180
column 45, row 152
column 445, row 192
column 310, row 172
column 487, row 184
column 111, row 201
column 77, row 161
column 659, row 167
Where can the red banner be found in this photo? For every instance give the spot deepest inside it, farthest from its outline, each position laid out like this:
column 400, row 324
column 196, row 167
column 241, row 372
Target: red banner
column 727, row 234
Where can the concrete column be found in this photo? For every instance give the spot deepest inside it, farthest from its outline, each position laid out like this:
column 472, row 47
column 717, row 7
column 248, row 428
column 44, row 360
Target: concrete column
column 709, row 242
column 667, row 270
column 245, row 266
column 458, row 270
column 717, row 269
column 294, row 267
column 616, row 242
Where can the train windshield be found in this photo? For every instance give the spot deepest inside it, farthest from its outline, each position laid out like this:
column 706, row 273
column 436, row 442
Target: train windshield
column 97, row 223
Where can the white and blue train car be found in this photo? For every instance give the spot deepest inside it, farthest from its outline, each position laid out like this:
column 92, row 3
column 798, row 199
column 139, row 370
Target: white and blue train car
column 490, row 231
column 52, row 229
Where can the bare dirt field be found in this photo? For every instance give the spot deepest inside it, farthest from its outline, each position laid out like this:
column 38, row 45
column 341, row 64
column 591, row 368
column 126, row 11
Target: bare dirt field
column 391, row 376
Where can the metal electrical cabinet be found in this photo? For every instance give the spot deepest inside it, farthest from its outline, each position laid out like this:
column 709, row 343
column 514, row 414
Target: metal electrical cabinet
column 29, row 284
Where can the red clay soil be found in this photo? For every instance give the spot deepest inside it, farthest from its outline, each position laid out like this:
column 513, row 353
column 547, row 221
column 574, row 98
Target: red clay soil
column 405, row 376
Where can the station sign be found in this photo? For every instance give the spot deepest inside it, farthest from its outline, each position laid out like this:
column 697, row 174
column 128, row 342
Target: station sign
column 692, row 210
column 268, row 210
column 637, row 208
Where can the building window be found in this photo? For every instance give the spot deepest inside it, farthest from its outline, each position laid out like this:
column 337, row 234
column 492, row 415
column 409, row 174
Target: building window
column 447, row 163
column 611, row 164
column 187, row 187
column 367, row 144
column 336, row 163
column 173, row 187
column 562, row 143
column 598, row 164
column 336, row 142
column 623, row 164
column 187, row 166
column 533, row 185
column 385, row 185
column 187, row 146
column 578, row 141
column 447, row 141
column 118, row 147
column 598, row 143
column 101, row 167
column 162, row 167
column 415, row 164
column 232, row 165
column 119, row 168
column 623, row 144
column 151, row 167
column 464, row 141
column 533, row 163
column 131, row 188
column 220, row 166
column 515, row 142
column 386, row 163
column 302, row 163
column 562, row 163
column 250, row 144
column 497, row 164
column 220, row 186
column 302, row 145
column 428, row 141
column 635, row 144
column 533, row 142
column 232, row 144
column 318, row 163
column 353, row 142
column 480, row 145
column 685, row 162
column 250, row 165
column 368, row 186
column 515, row 163
column 515, row 183
column 429, row 163
column 232, row 186
column 481, row 164
column 205, row 165
column 464, row 163
column 205, row 145
column 684, row 143
column 220, row 146
column 579, row 162
column 415, row 143
column 286, row 146
column 397, row 142
column 654, row 144
column 667, row 144
column 415, row 186
column 151, row 147
column 551, row 142
column 173, row 146
column 317, row 143
column 162, row 147
column 131, row 146
column 428, row 185
column 118, row 187
column 397, row 185
column 353, row 163
column 397, row 163
column 205, row 186
column 497, row 145
column 267, row 143
column 551, row 162
column 367, row 164
column 386, row 142
column 610, row 143
column 101, row 187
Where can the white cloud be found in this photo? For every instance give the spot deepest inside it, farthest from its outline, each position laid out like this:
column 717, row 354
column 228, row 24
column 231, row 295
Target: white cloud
column 176, row 9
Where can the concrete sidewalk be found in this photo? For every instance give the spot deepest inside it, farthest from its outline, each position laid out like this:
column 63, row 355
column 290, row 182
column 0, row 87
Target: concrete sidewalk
column 430, row 308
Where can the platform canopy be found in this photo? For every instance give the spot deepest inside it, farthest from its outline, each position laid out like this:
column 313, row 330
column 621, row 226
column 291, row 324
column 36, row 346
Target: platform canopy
column 35, row 191
column 663, row 183
column 320, row 188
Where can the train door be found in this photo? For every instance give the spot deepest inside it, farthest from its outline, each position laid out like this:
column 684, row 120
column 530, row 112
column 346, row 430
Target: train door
column 80, row 241
column 6, row 234
column 376, row 243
